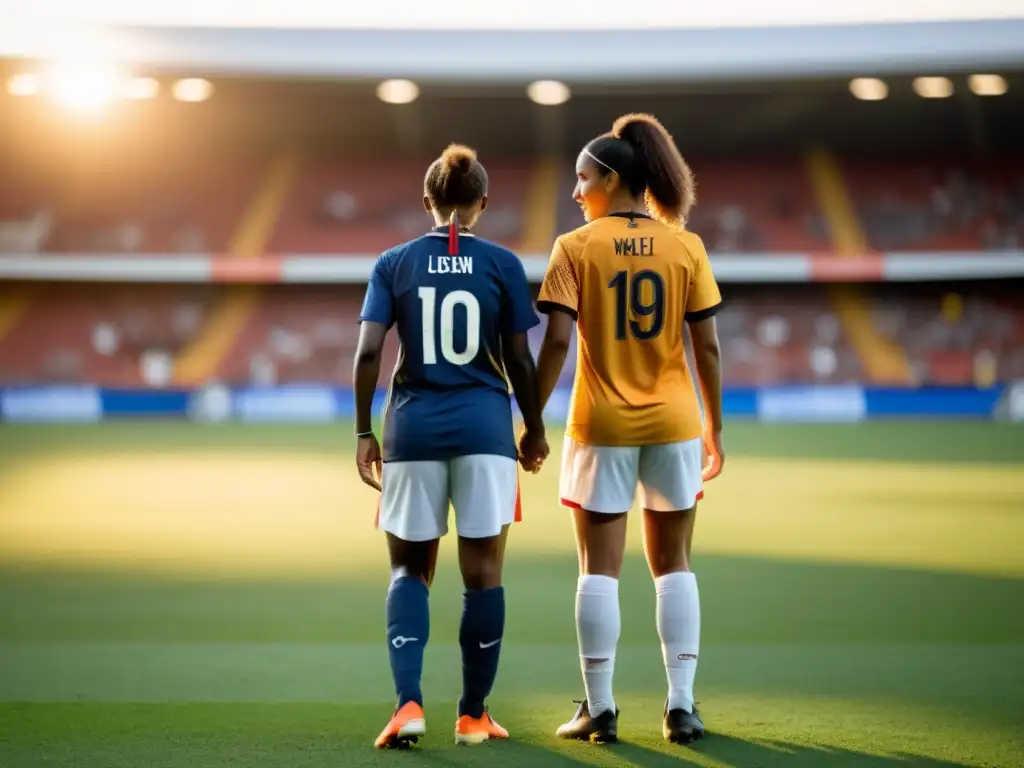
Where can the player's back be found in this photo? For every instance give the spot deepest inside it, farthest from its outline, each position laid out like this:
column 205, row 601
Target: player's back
column 638, row 282
column 449, row 395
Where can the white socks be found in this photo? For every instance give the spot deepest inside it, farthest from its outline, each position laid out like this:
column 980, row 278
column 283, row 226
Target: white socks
column 679, row 630
column 597, row 628
column 598, row 625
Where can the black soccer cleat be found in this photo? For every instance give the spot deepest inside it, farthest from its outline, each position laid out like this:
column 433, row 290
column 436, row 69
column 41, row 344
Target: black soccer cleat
column 602, row 729
column 682, row 727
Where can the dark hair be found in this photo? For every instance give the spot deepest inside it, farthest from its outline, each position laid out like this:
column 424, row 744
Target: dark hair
column 645, row 156
column 455, row 179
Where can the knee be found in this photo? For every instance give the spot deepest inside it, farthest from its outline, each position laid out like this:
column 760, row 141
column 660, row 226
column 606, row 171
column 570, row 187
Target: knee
column 664, row 563
column 410, row 572
column 482, row 575
column 602, row 561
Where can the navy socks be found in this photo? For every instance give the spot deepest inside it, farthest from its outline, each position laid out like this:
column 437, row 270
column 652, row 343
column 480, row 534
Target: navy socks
column 408, row 620
column 480, row 635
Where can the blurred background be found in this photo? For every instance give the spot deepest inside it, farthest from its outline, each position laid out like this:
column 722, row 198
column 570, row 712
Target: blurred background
column 202, row 208
column 191, row 201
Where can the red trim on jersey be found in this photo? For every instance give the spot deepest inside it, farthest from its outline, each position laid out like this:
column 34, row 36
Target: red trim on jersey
column 453, row 236
column 570, row 504
column 700, row 495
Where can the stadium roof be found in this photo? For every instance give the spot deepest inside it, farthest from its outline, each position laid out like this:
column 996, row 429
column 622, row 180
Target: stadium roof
column 522, row 14
column 580, row 56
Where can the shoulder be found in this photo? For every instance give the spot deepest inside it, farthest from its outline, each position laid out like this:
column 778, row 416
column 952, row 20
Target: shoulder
column 397, row 251
column 690, row 241
column 504, row 258
column 575, row 241
column 390, row 258
column 496, row 251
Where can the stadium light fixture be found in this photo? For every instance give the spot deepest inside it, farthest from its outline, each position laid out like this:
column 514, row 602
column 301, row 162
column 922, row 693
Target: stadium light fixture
column 398, row 91
column 869, row 88
column 549, row 93
column 83, row 87
column 140, row 88
column 987, row 85
column 933, row 87
column 24, row 84
column 192, row 89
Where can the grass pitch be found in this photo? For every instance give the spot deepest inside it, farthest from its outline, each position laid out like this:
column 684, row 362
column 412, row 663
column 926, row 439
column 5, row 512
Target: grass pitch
column 184, row 595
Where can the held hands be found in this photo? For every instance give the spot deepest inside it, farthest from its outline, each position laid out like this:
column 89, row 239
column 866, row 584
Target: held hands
column 368, row 461
column 714, row 455
column 533, row 449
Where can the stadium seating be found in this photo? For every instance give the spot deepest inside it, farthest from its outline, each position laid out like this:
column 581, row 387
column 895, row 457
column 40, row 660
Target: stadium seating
column 970, row 336
column 742, row 206
column 175, row 203
column 127, row 335
column 301, row 334
column 166, row 204
column 937, row 204
column 366, row 206
column 789, row 336
column 110, row 335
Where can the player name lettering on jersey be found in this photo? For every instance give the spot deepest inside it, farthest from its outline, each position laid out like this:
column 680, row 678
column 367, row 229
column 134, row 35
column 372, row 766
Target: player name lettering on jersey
column 634, row 246
column 450, row 265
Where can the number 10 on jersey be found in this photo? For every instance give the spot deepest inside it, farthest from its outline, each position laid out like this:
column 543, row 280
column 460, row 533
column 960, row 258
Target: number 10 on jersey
column 428, row 299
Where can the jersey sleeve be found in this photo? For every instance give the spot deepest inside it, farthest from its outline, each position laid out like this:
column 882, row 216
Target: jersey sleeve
column 519, row 316
column 379, row 302
column 560, row 290
column 703, row 299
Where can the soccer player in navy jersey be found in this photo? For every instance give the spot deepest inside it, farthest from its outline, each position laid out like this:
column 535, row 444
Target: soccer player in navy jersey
column 462, row 306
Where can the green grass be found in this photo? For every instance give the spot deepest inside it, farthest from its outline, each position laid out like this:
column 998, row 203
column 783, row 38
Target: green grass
column 184, row 595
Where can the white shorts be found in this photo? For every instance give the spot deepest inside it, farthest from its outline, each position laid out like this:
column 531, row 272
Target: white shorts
column 604, row 478
column 484, row 490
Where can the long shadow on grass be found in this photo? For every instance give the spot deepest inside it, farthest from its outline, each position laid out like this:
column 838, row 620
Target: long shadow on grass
column 766, row 754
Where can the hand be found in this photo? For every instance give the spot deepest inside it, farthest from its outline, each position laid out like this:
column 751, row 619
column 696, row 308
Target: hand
column 533, row 449
column 368, row 461
column 714, row 455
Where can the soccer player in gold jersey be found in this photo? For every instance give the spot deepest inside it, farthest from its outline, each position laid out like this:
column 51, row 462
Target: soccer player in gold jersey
column 630, row 280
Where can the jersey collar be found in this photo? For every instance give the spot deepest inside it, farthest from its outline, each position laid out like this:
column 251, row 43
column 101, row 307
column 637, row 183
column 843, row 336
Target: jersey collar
column 443, row 231
column 629, row 215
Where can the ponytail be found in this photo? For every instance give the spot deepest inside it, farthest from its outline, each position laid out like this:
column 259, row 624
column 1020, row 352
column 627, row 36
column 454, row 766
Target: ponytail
column 648, row 162
column 670, row 192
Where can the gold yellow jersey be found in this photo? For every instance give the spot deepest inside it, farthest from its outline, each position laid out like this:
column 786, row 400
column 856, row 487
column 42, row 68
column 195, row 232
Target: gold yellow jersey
column 631, row 283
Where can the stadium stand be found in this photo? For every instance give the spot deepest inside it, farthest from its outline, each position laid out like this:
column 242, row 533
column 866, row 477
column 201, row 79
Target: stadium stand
column 771, row 336
column 938, row 204
column 127, row 336
column 365, row 206
column 361, row 205
column 965, row 335
column 743, row 206
column 116, row 335
column 299, row 334
column 164, row 204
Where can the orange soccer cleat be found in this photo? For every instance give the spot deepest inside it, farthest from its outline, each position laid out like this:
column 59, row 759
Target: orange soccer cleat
column 406, row 726
column 477, row 730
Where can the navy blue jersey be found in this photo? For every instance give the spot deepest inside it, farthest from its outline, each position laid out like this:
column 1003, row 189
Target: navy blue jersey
column 449, row 396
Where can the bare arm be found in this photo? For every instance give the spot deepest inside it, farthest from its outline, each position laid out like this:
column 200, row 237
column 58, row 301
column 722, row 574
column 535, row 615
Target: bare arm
column 366, row 372
column 523, row 375
column 533, row 445
column 708, row 358
column 553, row 352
